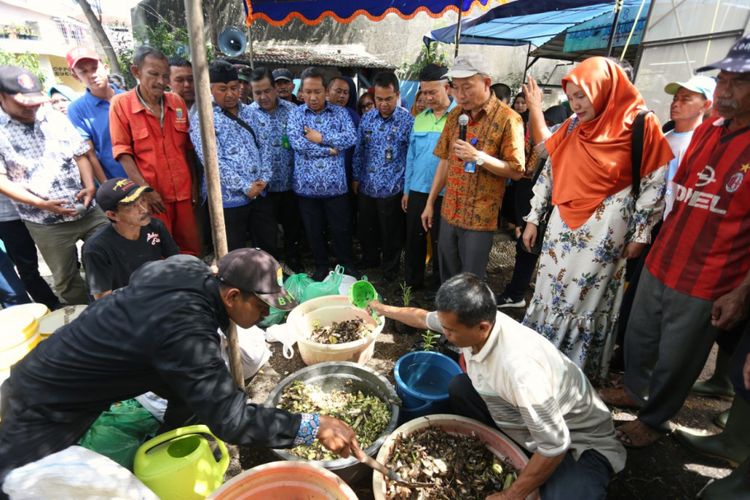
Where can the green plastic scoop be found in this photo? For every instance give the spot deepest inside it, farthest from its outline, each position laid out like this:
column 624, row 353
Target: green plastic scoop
column 362, row 293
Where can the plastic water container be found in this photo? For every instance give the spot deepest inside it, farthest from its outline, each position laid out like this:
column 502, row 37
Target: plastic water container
column 19, row 337
column 324, row 311
column 51, row 322
column 422, row 379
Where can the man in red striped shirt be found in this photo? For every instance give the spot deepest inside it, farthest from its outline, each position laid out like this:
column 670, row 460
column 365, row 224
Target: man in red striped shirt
column 697, row 277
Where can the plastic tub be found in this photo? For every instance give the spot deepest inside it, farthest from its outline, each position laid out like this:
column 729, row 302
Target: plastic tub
column 423, row 376
column 51, row 322
column 19, row 325
column 352, row 377
column 326, row 310
column 285, row 481
column 497, row 442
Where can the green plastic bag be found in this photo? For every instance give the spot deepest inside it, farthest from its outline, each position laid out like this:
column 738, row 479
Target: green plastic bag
column 296, row 284
column 120, row 431
column 329, row 286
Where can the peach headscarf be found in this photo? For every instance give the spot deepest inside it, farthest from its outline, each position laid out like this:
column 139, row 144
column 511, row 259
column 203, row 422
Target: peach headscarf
column 593, row 161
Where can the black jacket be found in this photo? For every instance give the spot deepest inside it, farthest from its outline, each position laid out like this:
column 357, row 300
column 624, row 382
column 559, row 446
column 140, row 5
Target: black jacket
column 157, row 334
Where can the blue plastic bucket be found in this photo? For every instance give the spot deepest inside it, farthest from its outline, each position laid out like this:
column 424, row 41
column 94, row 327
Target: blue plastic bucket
column 423, row 376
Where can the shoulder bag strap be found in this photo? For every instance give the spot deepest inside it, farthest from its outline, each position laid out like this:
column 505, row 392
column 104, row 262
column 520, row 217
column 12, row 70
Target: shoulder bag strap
column 636, row 143
column 242, row 123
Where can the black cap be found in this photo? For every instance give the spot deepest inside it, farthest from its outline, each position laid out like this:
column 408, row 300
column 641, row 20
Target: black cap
column 282, row 74
column 433, row 73
column 244, row 72
column 118, row 190
column 736, row 61
column 23, row 85
column 220, row 71
column 253, row 270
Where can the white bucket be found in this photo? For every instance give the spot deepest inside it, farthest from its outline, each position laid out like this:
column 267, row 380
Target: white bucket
column 324, row 311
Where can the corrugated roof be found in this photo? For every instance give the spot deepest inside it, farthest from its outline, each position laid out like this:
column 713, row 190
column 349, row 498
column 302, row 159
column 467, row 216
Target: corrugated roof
column 348, row 56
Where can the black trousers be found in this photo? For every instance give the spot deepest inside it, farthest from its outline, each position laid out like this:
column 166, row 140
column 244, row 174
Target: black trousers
column 416, row 239
column 522, row 272
column 316, row 214
column 286, row 210
column 263, row 226
column 22, row 251
column 381, row 225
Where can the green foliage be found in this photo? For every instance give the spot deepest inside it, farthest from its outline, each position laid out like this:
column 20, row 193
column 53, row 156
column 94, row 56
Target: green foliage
column 406, row 294
column 26, row 61
column 428, row 340
column 433, row 53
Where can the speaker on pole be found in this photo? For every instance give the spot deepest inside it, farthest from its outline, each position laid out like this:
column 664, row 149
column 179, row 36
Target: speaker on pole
column 232, row 41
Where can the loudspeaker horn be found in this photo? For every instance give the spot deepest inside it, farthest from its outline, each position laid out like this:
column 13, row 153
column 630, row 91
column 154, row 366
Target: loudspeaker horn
column 232, row 41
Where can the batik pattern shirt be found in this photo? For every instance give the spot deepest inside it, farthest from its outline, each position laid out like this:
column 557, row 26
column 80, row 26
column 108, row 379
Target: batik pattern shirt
column 380, row 156
column 318, row 173
column 239, row 159
column 40, row 157
column 273, row 141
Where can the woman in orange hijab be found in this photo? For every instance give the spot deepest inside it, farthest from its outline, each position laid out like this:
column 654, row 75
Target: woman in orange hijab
column 595, row 223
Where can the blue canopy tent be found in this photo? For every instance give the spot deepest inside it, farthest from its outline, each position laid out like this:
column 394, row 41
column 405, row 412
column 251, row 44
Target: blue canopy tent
column 558, row 29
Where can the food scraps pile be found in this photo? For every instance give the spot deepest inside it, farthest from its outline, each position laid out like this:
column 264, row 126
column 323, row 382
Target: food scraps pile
column 459, row 466
column 340, row 332
column 367, row 415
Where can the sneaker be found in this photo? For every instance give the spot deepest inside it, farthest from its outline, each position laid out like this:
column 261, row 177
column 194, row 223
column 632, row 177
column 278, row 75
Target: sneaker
column 503, row 301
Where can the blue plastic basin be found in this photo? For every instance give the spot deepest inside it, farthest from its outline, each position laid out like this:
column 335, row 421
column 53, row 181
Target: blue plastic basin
column 423, row 376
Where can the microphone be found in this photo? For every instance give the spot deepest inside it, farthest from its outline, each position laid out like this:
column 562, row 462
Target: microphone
column 463, row 121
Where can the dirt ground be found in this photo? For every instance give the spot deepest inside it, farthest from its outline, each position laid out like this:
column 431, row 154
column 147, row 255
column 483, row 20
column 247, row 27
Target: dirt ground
column 666, row 470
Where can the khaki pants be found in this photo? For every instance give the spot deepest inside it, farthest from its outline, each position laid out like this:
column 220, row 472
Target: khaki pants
column 57, row 243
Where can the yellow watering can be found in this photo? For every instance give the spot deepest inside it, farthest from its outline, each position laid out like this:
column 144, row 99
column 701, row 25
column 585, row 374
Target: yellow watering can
column 180, row 465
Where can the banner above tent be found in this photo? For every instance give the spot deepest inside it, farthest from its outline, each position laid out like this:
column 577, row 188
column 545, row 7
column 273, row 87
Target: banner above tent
column 279, row 12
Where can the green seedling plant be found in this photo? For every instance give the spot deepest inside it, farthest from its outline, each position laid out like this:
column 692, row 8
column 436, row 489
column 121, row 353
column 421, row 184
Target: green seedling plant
column 428, row 340
column 406, row 294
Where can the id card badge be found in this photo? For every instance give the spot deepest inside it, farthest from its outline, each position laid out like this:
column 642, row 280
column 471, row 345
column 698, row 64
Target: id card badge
column 470, row 167
column 389, row 155
column 285, row 141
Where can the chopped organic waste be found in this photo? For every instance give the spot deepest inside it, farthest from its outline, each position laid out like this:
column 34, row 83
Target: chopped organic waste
column 367, row 415
column 460, row 467
column 340, row 332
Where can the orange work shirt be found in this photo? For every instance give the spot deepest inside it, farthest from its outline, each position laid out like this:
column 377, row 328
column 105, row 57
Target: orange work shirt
column 472, row 200
column 160, row 152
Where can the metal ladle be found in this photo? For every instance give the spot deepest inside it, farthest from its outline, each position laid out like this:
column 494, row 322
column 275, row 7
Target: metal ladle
column 389, row 473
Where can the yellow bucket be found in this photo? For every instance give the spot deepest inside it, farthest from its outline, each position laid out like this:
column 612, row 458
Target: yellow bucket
column 180, row 464
column 19, row 325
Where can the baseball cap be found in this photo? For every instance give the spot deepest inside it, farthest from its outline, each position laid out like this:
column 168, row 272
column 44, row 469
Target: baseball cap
column 467, row 66
column 118, row 190
column 23, row 85
column 282, row 74
column 701, row 84
column 253, row 270
column 79, row 54
column 736, row 61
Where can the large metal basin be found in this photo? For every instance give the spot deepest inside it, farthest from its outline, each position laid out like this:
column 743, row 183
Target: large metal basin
column 335, row 375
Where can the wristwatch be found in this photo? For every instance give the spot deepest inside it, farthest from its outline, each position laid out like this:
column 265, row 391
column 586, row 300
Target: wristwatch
column 480, row 159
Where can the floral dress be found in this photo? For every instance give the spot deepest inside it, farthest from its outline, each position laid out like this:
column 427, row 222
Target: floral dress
column 581, row 275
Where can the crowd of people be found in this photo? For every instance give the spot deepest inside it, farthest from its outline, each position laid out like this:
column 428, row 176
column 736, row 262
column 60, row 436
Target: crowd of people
column 639, row 237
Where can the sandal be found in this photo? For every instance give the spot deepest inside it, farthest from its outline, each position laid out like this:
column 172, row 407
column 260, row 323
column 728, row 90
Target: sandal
column 636, row 434
column 617, row 396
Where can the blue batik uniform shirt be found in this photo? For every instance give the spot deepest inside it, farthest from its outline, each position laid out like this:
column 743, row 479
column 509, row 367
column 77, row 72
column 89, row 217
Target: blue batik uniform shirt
column 90, row 116
column 380, row 157
column 271, row 129
column 317, row 173
column 239, row 158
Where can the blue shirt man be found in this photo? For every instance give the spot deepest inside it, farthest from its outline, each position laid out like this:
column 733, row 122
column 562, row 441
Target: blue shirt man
column 380, row 155
column 276, row 152
column 378, row 171
column 319, row 133
column 244, row 177
column 90, row 112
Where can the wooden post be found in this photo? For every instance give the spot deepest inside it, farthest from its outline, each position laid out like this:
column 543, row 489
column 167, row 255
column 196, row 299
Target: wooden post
column 194, row 13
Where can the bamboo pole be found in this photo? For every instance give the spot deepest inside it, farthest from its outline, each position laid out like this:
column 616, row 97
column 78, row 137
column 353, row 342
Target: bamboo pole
column 194, row 13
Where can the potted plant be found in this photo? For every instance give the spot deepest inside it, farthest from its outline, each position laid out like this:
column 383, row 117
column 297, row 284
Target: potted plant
column 5, row 31
column 406, row 297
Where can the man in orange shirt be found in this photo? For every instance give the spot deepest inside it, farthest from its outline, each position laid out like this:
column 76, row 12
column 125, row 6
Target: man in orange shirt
column 474, row 170
column 149, row 129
